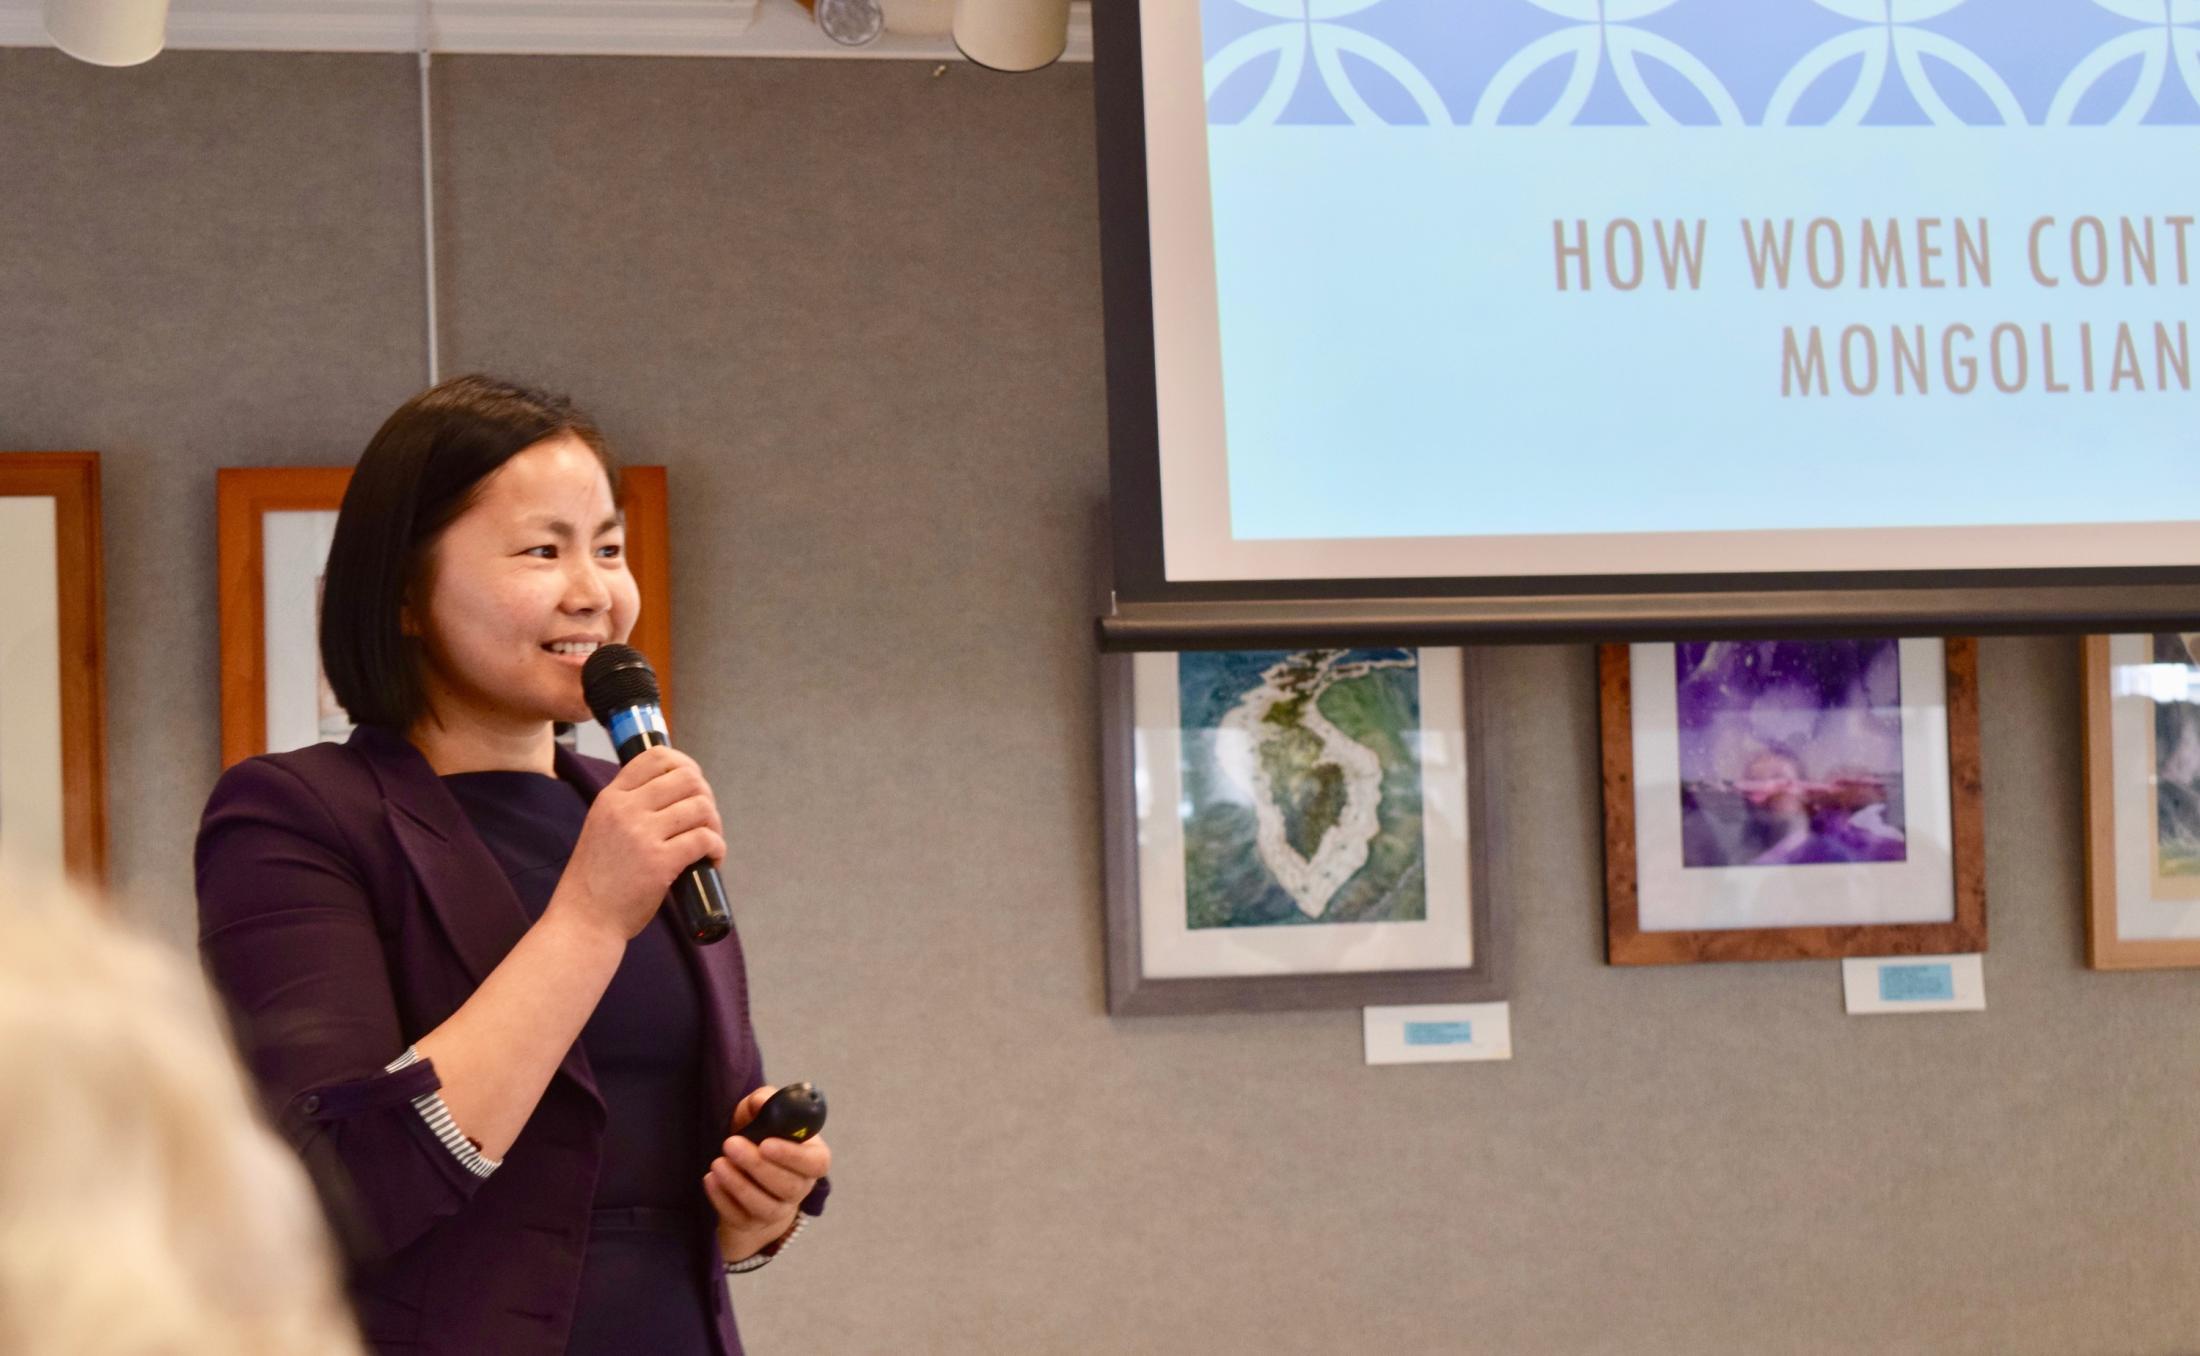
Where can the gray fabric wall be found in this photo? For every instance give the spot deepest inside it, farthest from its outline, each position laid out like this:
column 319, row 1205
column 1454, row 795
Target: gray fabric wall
column 855, row 309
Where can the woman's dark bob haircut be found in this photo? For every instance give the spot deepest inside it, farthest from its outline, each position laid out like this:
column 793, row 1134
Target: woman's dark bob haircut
column 422, row 469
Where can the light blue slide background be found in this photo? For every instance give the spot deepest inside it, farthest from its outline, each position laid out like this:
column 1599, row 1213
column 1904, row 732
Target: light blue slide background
column 1397, row 359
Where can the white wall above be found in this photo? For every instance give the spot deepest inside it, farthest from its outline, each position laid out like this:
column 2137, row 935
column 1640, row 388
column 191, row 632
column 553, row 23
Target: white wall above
column 715, row 28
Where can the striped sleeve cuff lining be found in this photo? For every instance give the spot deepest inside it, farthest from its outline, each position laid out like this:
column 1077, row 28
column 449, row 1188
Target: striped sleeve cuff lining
column 438, row 1116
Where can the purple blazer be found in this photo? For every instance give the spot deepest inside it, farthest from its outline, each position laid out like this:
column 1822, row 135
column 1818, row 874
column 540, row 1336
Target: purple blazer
column 346, row 908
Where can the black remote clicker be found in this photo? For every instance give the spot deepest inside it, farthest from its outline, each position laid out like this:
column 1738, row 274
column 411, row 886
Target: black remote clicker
column 796, row 1112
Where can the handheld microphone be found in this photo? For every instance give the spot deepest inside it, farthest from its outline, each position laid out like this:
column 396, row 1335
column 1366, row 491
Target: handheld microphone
column 621, row 689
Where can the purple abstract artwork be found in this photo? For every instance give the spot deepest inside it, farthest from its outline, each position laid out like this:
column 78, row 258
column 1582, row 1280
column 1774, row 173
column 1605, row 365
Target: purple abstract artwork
column 1790, row 752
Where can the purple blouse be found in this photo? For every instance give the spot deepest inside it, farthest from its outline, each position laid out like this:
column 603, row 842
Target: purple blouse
column 650, row 1229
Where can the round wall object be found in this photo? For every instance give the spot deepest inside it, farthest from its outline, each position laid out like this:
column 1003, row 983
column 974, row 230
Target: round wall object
column 1012, row 35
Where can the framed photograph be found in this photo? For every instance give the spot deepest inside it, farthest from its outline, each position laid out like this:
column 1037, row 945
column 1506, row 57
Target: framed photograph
column 2142, row 800
column 53, row 697
column 1791, row 799
column 1294, row 829
column 275, row 527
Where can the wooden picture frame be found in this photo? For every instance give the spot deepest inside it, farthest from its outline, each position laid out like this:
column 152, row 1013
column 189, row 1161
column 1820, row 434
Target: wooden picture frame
column 1956, row 866
column 2138, row 916
column 247, row 495
column 64, row 784
column 1453, row 840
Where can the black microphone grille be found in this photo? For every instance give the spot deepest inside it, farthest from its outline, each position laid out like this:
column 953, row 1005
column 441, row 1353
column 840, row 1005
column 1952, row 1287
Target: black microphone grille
column 616, row 677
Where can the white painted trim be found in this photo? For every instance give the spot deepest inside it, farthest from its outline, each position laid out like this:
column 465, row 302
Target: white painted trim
column 716, row 28
column 22, row 25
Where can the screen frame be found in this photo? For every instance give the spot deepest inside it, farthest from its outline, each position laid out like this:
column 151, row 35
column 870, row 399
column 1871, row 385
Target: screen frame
column 1147, row 610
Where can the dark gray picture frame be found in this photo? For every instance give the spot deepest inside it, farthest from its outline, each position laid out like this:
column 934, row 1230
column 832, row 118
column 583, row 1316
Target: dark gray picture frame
column 1130, row 993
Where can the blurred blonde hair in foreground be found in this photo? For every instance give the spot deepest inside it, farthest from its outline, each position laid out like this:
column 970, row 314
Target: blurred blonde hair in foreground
column 145, row 1210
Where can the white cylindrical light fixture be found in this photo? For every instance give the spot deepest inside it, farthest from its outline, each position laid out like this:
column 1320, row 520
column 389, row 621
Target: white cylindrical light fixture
column 1012, row 35
column 108, row 32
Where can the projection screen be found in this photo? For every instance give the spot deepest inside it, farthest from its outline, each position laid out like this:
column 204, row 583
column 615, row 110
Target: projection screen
column 1633, row 317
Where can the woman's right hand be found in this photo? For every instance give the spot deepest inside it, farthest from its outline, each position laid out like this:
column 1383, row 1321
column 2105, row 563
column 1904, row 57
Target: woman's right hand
column 656, row 819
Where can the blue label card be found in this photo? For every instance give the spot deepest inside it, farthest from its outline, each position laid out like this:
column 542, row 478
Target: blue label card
column 1933, row 981
column 1427, row 1033
column 1439, row 1033
column 1879, row 984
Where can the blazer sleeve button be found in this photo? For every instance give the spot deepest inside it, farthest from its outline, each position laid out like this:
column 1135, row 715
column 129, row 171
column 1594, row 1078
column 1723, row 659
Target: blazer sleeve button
column 312, row 1104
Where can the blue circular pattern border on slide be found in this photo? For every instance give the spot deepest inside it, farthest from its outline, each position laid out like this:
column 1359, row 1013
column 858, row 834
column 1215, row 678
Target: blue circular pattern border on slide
column 1772, row 63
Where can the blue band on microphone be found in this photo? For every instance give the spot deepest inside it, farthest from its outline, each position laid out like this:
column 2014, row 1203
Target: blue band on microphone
column 633, row 720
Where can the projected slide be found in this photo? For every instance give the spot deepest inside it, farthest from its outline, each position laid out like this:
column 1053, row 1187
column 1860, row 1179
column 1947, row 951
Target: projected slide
column 1597, row 286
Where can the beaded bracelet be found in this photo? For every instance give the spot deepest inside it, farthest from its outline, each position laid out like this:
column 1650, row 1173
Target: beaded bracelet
column 748, row 1264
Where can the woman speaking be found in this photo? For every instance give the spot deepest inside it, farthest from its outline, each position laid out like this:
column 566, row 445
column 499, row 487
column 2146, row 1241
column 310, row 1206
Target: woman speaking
column 511, row 1077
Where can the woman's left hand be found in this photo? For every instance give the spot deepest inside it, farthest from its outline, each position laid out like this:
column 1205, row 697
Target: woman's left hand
column 756, row 1187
